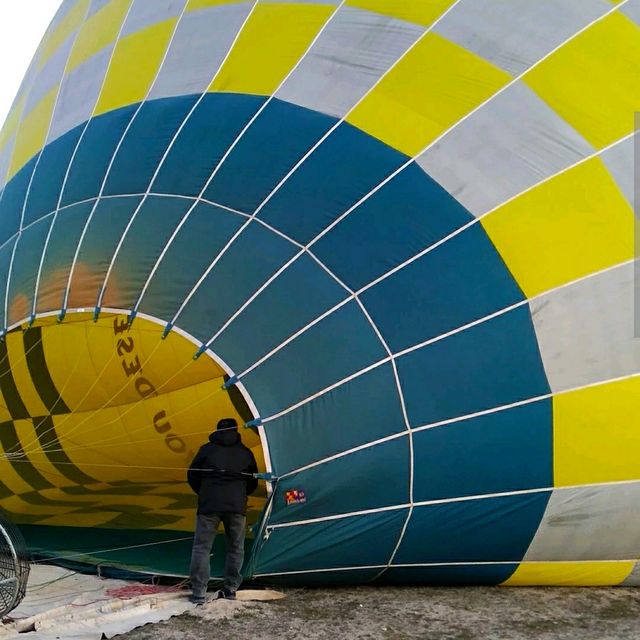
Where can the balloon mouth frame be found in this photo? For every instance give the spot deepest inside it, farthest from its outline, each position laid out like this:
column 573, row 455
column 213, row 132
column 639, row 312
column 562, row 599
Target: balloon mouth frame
column 120, row 321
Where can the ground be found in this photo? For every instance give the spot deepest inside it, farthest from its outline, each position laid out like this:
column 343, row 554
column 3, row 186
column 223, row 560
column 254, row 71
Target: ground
column 414, row 612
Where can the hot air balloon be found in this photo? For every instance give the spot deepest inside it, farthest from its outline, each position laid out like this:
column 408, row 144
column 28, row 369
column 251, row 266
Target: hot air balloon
column 394, row 239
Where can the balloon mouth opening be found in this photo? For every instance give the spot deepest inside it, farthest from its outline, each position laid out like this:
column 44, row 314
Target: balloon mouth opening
column 100, row 422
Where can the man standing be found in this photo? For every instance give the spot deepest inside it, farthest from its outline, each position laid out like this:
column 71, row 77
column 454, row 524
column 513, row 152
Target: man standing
column 222, row 476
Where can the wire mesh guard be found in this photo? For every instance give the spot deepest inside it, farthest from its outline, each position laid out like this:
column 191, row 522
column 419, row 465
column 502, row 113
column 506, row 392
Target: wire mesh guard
column 14, row 567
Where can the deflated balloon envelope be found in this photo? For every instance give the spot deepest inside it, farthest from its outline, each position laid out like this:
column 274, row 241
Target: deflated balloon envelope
column 394, row 239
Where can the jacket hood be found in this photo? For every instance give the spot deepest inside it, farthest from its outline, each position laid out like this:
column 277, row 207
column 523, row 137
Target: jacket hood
column 226, row 438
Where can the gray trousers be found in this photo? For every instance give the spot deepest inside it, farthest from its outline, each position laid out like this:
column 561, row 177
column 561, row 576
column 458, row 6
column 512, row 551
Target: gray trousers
column 205, row 534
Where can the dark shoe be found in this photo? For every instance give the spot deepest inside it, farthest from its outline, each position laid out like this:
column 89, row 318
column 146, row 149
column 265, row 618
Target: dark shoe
column 199, row 600
column 225, row 594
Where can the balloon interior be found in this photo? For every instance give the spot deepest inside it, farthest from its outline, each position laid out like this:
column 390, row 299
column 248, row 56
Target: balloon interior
column 392, row 239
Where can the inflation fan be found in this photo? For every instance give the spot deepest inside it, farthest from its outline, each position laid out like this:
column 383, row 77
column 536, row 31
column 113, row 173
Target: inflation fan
column 14, row 567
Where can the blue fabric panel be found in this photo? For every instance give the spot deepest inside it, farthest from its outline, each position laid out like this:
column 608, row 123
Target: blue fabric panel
column 103, row 233
column 408, row 214
column 205, row 232
column 147, row 236
column 504, row 451
column 362, row 410
column 338, row 173
column 333, row 349
column 487, row 530
column 348, row 542
column 283, row 308
column 234, row 279
column 12, row 201
column 278, row 138
column 325, row 578
column 59, row 255
column 367, row 479
column 471, row 575
column 489, row 365
column 25, row 270
column 461, row 281
column 49, row 176
column 94, row 154
column 5, row 258
column 207, row 134
column 145, row 143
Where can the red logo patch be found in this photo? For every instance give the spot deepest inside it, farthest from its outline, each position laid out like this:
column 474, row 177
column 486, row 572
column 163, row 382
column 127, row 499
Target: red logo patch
column 295, row 496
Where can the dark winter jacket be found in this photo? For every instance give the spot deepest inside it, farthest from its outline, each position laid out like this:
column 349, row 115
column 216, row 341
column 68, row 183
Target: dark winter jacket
column 215, row 474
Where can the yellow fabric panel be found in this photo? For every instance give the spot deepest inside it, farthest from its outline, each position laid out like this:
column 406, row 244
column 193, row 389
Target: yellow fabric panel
column 21, row 375
column 12, row 122
column 124, row 357
column 570, row 574
column 4, row 412
column 195, row 5
column 134, row 66
column 11, row 478
column 137, row 369
column 417, row 11
column 596, row 434
column 163, row 431
column 15, row 504
column 78, row 433
column 89, row 519
column 82, row 365
column 572, row 225
column 66, row 27
column 270, row 44
column 592, row 82
column 100, row 30
column 431, row 88
column 32, row 133
column 28, row 436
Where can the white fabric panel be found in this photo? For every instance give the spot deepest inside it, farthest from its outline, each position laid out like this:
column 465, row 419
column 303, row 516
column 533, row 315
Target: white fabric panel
column 79, row 94
column 619, row 162
column 5, row 159
column 51, row 74
column 63, row 604
column 199, row 46
column 145, row 13
column 589, row 523
column 514, row 142
column 632, row 10
column 96, row 5
column 633, row 580
column 350, row 55
column 514, row 34
column 26, row 84
column 586, row 330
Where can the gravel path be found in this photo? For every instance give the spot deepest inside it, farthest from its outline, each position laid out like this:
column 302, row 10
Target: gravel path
column 414, row 612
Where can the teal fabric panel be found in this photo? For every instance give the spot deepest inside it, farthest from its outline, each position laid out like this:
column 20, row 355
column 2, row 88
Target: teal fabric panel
column 178, row 271
column 484, row 530
column 368, row 479
column 509, row 450
column 272, row 384
column 357, row 541
column 360, row 411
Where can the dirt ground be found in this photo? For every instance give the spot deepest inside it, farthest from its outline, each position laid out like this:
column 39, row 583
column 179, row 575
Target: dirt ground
column 414, row 612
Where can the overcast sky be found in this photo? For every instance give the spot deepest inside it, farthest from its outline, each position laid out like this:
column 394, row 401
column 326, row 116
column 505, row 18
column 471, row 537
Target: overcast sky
column 22, row 25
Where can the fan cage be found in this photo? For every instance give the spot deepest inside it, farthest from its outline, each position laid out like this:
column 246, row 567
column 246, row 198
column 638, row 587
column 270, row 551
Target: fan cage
column 14, row 566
